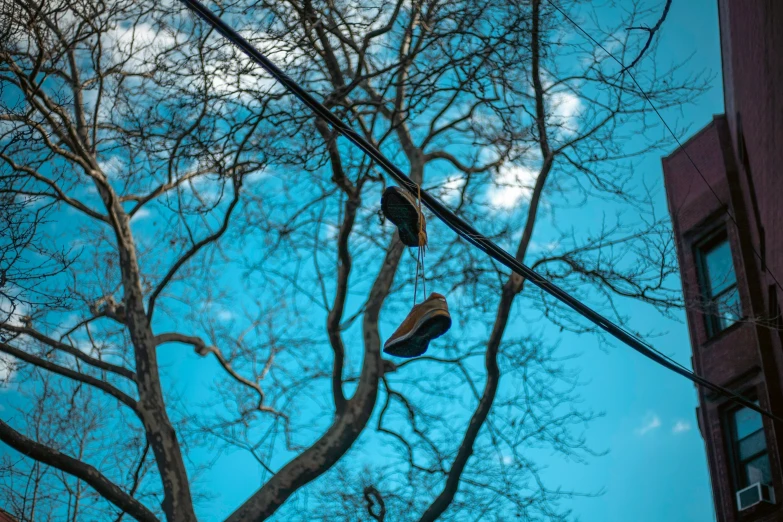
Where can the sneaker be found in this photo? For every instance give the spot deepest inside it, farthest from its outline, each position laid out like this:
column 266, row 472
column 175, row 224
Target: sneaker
column 425, row 322
column 401, row 208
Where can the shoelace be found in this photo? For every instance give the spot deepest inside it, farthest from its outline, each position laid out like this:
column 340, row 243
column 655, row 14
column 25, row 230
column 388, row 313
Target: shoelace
column 422, row 237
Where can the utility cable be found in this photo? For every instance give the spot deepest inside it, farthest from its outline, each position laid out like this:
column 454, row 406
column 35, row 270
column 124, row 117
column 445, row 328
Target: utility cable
column 457, row 224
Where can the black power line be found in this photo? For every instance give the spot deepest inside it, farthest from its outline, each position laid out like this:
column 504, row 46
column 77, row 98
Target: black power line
column 457, row 224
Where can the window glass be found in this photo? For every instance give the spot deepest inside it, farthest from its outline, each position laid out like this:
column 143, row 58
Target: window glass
column 758, row 470
column 749, row 446
column 719, row 284
column 720, row 269
column 752, row 445
column 727, row 309
column 747, row 421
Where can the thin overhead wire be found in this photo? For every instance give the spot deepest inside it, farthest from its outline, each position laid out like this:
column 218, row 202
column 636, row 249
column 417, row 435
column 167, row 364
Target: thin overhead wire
column 457, row 224
column 680, row 147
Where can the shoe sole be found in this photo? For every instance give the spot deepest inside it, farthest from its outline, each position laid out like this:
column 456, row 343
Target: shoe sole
column 404, row 215
column 428, row 328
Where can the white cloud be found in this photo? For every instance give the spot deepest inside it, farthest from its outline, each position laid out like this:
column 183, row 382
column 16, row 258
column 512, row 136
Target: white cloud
column 550, row 246
column 225, row 315
column 7, row 369
column 330, row 232
column 143, row 48
column 505, row 459
column 12, row 312
column 217, row 311
column 30, row 201
column 681, row 426
column 112, row 167
column 564, row 108
column 138, row 44
column 614, row 43
column 513, row 184
column 486, row 119
column 207, row 188
column 85, row 347
column 11, row 315
column 239, row 77
column 6, row 130
column 256, row 177
column 651, row 422
column 142, row 213
column 451, row 189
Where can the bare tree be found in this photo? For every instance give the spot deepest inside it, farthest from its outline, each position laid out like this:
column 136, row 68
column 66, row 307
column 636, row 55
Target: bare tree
column 210, row 210
column 33, row 490
column 25, row 263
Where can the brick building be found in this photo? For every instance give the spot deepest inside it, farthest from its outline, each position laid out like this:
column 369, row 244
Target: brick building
column 730, row 249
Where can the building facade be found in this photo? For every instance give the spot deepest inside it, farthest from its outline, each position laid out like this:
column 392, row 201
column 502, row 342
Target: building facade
column 728, row 226
column 5, row 516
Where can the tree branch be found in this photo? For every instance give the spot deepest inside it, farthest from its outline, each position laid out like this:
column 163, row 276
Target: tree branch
column 510, row 289
column 650, row 35
column 203, row 349
column 78, row 469
column 340, row 436
column 443, row 155
column 97, row 363
column 373, row 497
column 71, row 374
column 58, row 192
column 196, row 247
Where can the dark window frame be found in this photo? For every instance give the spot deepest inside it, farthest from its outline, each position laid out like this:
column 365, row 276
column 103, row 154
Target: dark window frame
column 738, row 469
column 711, row 319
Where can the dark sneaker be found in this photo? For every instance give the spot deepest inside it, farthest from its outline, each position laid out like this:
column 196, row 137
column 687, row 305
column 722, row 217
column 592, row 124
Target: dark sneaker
column 400, row 207
column 426, row 321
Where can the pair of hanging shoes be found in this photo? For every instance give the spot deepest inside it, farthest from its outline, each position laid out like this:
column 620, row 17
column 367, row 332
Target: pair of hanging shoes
column 429, row 319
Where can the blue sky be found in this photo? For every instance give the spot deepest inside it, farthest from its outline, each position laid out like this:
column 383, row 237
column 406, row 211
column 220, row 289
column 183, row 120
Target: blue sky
column 655, row 469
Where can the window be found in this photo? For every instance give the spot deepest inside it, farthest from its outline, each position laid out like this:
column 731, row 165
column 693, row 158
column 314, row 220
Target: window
column 719, row 284
column 749, row 448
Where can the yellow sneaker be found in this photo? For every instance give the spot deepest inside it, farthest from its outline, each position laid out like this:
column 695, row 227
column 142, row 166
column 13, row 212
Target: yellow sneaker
column 425, row 322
